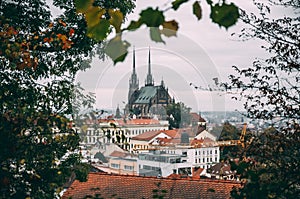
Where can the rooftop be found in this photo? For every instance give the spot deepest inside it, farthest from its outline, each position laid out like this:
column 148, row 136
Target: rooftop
column 197, row 117
column 174, row 134
column 123, row 122
column 127, row 186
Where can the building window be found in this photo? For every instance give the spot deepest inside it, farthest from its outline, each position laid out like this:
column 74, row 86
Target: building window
column 207, row 159
column 203, row 152
column 216, row 151
column 115, row 166
column 195, row 160
column 216, row 159
column 195, row 152
column 210, row 151
column 211, row 159
column 128, row 168
column 203, row 160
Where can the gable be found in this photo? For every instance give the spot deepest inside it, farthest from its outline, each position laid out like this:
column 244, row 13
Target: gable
column 206, row 134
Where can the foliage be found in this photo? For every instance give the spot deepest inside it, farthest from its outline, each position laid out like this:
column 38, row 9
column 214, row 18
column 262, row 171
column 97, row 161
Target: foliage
column 39, row 59
column 228, row 132
column 100, row 20
column 178, row 115
column 271, row 89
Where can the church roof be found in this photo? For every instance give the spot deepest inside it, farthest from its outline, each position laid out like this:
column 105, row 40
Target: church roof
column 146, row 94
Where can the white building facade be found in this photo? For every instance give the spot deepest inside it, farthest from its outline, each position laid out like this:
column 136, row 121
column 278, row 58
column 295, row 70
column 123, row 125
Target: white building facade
column 178, row 160
column 118, row 131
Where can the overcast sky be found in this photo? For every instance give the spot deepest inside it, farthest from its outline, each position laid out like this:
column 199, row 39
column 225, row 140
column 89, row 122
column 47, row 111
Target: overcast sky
column 200, row 52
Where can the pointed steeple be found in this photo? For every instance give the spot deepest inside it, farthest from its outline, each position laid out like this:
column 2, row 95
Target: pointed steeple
column 162, row 83
column 149, row 79
column 118, row 113
column 133, row 71
column 133, row 81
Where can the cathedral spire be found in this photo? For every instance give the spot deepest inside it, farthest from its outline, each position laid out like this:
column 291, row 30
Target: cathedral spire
column 149, row 79
column 118, row 113
column 133, row 72
column 133, row 81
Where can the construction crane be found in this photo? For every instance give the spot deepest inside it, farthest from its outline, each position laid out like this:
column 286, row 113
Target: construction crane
column 240, row 141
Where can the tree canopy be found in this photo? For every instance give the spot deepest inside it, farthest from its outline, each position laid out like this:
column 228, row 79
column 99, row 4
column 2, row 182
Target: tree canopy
column 178, row 115
column 40, row 56
column 271, row 89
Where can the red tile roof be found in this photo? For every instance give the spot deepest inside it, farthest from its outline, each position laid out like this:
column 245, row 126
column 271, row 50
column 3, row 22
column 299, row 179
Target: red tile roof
column 122, row 186
column 202, row 142
column 118, row 154
column 196, row 142
column 138, row 121
column 197, row 117
column 174, row 134
column 147, row 136
column 197, row 172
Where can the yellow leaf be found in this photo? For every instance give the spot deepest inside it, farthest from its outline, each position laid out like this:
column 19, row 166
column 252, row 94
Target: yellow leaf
column 84, row 128
column 93, row 16
column 116, row 19
column 170, row 28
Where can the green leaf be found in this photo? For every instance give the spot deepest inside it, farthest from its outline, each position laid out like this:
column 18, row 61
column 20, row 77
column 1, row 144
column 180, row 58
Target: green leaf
column 82, row 6
column 155, row 35
column 225, row 15
column 197, row 11
column 152, row 18
column 99, row 31
column 116, row 19
column 134, row 25
column 177, row 3
column 169, row 28
column 116, row 49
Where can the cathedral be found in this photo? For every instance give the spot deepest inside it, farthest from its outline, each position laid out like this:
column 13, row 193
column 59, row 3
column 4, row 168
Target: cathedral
column 149, row 100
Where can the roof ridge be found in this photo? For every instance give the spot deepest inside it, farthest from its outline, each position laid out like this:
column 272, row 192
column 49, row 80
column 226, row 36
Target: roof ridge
column 170, row 179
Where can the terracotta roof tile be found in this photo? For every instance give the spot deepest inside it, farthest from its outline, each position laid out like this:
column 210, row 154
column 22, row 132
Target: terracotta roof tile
column 118, row 154
column 147, row 136
column 122, row 186
column 196, row 142
column 197, row 117
column 197, row 172
column 175, row 134
column 138, row 122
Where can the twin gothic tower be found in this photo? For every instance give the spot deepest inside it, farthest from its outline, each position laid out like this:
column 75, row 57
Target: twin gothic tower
column 148, row 100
